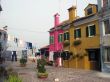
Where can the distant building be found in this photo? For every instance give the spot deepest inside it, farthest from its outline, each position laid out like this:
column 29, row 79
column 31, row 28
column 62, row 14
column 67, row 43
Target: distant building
column 20, row 46
column 0, row 8
column 104, row 24
column 3, row 42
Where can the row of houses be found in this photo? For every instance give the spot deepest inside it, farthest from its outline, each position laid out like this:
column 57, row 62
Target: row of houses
column 10, row 44
column 82, row 42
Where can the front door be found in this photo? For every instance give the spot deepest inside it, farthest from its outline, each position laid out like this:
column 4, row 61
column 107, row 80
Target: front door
column 94, row 58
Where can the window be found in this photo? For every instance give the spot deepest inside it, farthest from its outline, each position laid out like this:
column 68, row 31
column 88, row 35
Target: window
column 77, row 33
column 92, row 55
column 60, row 37
column 107, row 55
column 5, row 37
column 90, row 31
column 107, row 26
column 51, row 39
column 66, row 36
column 89, row 11
column 105, row 3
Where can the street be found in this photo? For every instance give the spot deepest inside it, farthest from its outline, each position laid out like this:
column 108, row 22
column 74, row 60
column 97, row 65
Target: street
column 29, row 74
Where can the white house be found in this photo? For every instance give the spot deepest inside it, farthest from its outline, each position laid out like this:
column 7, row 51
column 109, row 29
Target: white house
column 104, row 23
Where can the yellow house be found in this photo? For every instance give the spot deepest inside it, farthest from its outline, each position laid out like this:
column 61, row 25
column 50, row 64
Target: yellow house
column 84, row 39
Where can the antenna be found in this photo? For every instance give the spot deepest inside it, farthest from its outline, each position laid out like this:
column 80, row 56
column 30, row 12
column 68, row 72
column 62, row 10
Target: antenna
column 59, row 6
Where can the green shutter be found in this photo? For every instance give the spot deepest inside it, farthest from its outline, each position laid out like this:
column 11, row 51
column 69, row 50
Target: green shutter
column 79, row 33
column 67, row 36
column 75, row 34
column 59, row 38
column 94, row 30
column 87, row 32
column 64, row 36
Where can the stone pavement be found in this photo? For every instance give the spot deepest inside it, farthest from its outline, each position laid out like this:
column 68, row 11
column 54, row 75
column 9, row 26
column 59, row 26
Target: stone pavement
column 28, row 74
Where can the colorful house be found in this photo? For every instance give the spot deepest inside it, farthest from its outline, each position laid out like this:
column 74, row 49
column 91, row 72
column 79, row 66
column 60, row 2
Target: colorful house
column 84, row 40
column 56, row 44
column 104, row 24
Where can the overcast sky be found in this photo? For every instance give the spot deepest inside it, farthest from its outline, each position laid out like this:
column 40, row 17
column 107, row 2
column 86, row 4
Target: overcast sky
column 31, row 19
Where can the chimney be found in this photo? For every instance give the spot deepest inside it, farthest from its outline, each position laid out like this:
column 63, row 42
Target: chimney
column 56, row 19
column 72, row 13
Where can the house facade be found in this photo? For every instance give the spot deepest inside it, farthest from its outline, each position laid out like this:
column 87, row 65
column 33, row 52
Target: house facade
column 84, row 39
column 56, row 43
column 104, row 23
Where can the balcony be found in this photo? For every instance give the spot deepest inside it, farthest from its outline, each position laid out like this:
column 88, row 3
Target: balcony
column 106, row 40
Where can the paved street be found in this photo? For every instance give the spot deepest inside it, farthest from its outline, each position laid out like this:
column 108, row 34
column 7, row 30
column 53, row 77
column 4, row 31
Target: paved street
column 28, row 74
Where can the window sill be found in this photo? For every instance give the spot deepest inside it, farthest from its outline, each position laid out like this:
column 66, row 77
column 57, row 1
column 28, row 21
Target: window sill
column 107, row 62
column 91, row 36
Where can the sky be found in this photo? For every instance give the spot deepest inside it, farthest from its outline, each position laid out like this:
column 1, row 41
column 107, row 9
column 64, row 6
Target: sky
column 32, row 19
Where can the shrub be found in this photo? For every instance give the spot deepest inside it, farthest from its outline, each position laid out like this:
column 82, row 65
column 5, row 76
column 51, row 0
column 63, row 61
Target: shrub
column 41, row 65
column 65, row 44
column 77, row 42
column 13, row 78
column 23, row 61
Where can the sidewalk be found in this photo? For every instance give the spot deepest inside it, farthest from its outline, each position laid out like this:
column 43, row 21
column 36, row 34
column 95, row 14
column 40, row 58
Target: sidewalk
column 29, row 74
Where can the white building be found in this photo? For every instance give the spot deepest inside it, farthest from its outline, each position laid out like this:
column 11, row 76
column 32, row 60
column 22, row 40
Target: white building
column 104, row 23
column 3, row 42
column 18, row 45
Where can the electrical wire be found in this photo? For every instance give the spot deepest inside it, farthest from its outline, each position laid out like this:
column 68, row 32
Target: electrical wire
column 16, row 29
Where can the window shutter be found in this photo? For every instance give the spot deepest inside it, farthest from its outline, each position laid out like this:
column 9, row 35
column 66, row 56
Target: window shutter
column 67, row 35
column 59, row 38
column 64, row 36
column 94, row 30
column 79, row 33
column 87, row 32
column 74, row 34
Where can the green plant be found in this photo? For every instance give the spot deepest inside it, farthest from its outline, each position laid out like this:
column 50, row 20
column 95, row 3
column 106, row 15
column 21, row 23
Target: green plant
column 41, row 65
column 77, row 42
column 41, row 68
column 23, row 61
column 67, row 43
column 13, row 78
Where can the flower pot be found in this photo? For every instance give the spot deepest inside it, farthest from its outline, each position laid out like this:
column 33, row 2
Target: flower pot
column 42, row 75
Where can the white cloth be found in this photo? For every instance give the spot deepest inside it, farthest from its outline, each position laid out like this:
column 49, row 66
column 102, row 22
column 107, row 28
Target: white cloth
column 51, row 56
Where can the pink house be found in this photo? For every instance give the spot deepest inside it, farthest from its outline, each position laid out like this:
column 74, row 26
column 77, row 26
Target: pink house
column 56, row 40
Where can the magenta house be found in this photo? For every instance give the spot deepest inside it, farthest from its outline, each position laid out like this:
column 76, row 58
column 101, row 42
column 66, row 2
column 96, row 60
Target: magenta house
column 56, row 41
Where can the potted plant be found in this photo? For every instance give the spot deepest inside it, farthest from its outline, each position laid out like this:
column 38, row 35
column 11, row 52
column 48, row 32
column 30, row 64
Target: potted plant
column 66, row 43
column 77, row 42
column 23, row 62
column 41, row 68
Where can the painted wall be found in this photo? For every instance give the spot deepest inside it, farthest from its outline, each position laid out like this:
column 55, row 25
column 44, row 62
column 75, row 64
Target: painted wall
column 86, row 43
column 56, row 46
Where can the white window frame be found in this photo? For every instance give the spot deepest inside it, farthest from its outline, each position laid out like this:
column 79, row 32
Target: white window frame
column 77, row 33
column 66, row 34
column 60, row 37
column 103, row 26
column 89, row 30
column 52, row 37
column 106, row 4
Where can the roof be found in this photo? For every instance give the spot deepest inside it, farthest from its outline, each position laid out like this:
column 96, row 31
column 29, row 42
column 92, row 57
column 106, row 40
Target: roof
column 60, row 25
column 82, row 18
column 47, row 46
column 92, row 5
